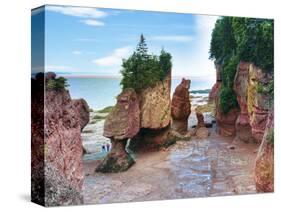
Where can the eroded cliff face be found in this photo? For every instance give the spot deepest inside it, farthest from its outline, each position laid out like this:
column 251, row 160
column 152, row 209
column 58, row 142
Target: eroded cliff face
column 155, row 105
column 241, row 85
column 254, row 104
column 258, row 102
column 254, row 121
column 61, row 148
column 249, row 121
column 155, row 117
column 264, row 165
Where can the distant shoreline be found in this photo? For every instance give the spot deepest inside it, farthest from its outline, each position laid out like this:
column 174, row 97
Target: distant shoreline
column 203, row 78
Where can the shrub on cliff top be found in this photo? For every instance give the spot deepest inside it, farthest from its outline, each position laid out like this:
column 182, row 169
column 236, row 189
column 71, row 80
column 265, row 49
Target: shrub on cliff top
column 142, row 70
column 59, row 83
column 237, row 39
column 251, row 39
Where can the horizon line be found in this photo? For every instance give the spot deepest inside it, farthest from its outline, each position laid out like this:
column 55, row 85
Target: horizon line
column 119, row 76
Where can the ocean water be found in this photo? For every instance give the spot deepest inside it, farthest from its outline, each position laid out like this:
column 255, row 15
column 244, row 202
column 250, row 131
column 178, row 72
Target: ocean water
column 102, row 92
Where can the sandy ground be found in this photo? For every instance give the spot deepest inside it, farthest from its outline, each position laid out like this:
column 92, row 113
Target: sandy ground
column 198, row 168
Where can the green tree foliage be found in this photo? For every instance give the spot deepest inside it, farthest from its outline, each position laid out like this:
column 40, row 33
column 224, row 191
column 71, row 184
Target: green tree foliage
column 165, row 60
column 237, row 39
column 142, row 70
column 59, row 83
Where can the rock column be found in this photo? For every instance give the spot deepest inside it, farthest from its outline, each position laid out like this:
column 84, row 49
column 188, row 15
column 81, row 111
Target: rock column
column 122, row 123
column 181, row 107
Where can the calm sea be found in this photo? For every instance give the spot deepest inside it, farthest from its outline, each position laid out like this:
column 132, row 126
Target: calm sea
column 102, row 92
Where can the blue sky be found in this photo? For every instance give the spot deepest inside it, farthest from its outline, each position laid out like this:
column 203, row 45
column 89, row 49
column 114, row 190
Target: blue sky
column 91, row 41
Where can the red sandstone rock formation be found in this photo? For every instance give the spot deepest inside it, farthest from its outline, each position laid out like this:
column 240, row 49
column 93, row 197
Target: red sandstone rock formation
column 155, row 115
column 200, row 131
column 181, row 107
column 226, row 122
column 82, row 110
column 122, row 122
column 214, row 92
column 243, row 127
column 258, row 102
column 60, row 146
column 216, row 87
column 264, row 165
column 200, row 119
column 155, row 105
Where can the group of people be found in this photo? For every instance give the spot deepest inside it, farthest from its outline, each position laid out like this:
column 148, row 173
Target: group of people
column 105, row 147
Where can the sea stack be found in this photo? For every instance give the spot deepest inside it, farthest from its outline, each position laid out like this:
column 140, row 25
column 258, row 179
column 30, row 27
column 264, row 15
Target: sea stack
column 122, row 123
column 155, row 117
column 181, row 107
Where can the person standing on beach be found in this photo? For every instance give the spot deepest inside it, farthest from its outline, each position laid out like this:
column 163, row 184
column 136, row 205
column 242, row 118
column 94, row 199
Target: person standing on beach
column 107, row 147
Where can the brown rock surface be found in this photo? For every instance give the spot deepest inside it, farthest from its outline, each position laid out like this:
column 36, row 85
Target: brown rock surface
column 118, row 160
column 181, row 107
column 124, row 119
column 216, row 87
column 63, row 145
column 241, row 82
column 214, row 92
column 226, row 122
column 155, row 105
column 122, row 122
column 200, row 119
column 56, row 148
column 264, row 165
column 258, row 102
column 151, row 140
column 82, row 111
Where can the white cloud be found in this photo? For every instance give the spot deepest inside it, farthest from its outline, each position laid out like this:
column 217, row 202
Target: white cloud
column 173, row 38
column 82, row 12
column 76, row 52
column 92, row 22
column 197, row 63
column 115, row 58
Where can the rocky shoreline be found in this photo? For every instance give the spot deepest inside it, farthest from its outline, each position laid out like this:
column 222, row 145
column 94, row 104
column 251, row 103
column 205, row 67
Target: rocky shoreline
column 92, row 134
